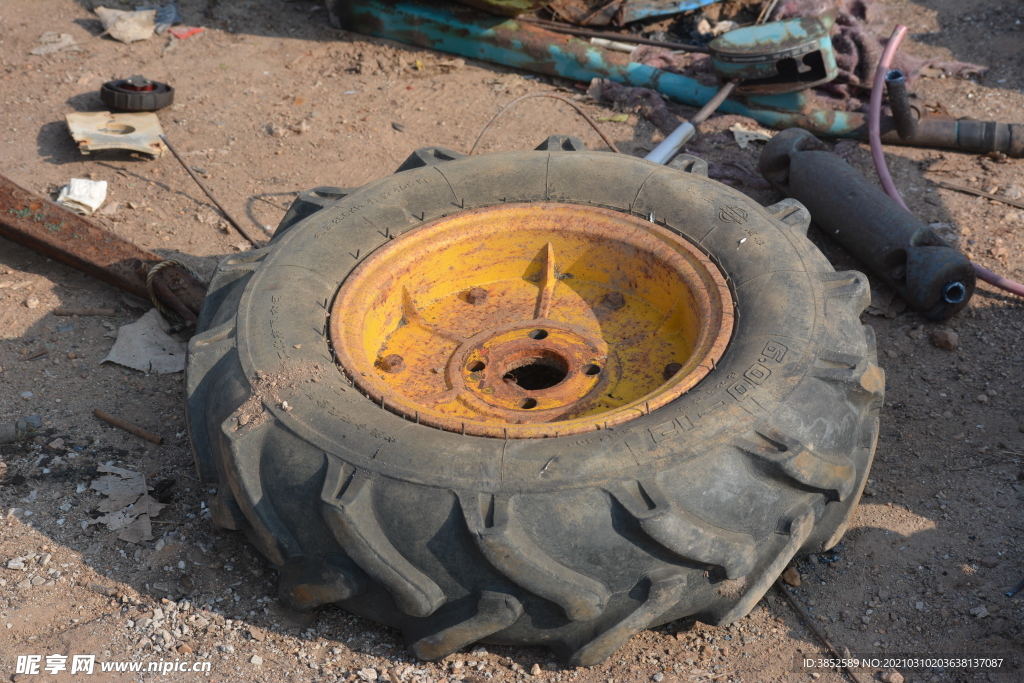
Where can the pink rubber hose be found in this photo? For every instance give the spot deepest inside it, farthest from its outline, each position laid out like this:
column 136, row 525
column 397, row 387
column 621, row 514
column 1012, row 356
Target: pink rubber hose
column 875, row 139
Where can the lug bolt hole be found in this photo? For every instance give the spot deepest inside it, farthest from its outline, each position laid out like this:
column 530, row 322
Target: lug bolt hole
column 591, row 370
column 528, row 403
column 538, row 334
column 476, row 366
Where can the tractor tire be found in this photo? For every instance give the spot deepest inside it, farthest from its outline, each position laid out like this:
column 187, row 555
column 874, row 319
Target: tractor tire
column 574, row 540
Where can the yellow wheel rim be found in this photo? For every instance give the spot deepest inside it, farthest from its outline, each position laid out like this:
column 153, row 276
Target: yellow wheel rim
column 531, row 320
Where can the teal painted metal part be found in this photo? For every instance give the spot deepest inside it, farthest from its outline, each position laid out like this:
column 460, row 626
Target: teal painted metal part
column 448, row 27
column 637, row 10
column 781, row 56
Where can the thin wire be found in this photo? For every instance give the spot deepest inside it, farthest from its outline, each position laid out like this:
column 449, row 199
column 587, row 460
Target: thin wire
column 572, row 104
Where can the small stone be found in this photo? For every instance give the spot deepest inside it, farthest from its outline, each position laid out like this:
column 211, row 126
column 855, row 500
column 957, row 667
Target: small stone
column 891, row 676
column 947, row 340
column 285, row 407
column 658, row 677
column 229, row 649
column 992, row 393
column 32, row 302
column 27, row 395
column 982, row 398
column 256, row 660
column 256, row 634
column 791, row 576
column 980, row 612
column 142, row 623
column 38, row 581
column 399, row 127
column 184, row 649
column 24, row 584
column 865, row 619
column 990, row 562
column 367, row 674
column 243, row 420
column 535, row 670
column 919, row 606
column 17, row 563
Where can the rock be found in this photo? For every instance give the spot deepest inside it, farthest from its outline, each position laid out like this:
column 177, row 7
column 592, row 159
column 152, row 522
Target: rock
column 256, row 634
column 535, row 670
column 229, row 649
column 367, row 674
column 791, row 576
column 865, row 619
column 17, row 563
column 982, row 398
column 24, row 584
column 184, row 649
column 38, row 581
column 256, row 660
column 989, row 562
column 980, row 612
column 947, row 340
column 658, row 677
column 891, row 676
column 32, row 302
column 27, row 395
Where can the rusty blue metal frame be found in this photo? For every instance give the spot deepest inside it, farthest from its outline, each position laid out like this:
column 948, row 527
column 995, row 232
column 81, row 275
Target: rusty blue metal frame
column 637, row 10
column 457, row 29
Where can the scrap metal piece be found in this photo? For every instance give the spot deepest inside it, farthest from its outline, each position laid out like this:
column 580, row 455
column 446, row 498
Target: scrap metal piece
column 136, row 132
column 932, row 276
column 779, row 57
column 457, row 29
column 51, row 230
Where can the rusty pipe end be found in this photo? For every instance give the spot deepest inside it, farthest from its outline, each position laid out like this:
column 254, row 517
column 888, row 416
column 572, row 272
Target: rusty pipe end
column 899, row 101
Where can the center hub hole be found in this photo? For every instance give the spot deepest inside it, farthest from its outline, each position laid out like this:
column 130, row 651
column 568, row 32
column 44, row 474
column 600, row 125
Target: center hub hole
column 537, row 373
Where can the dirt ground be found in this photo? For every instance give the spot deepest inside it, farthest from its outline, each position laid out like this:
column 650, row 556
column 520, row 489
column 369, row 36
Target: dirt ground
column 932, row 549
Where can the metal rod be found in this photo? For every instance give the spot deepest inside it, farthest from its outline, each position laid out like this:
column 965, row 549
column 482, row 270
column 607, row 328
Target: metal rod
column 980, row 193
column 128, row 426
column 620, row 37
column 242, row 231
column 668, row 148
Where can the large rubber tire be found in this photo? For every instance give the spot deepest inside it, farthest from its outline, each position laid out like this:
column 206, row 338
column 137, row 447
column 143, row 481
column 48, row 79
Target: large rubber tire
column 575, row 543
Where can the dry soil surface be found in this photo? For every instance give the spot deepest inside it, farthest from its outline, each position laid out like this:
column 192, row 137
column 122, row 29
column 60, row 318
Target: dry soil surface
column 271, row 100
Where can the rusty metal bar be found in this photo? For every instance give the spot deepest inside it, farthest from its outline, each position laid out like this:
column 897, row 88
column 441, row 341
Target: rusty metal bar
column 52, row 230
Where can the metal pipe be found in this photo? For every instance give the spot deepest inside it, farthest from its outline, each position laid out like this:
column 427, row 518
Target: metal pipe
column 899, row 101
column 668, row 148
column 933, row 277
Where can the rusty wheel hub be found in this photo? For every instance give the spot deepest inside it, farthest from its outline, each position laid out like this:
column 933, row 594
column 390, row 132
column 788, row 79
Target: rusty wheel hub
column 531, row 320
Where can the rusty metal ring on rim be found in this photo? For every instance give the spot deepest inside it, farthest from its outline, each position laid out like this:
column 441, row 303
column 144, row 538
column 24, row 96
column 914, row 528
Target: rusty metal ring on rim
column 531, row 320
